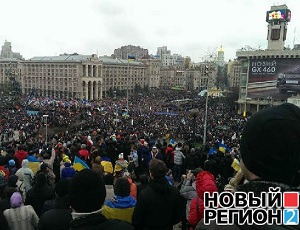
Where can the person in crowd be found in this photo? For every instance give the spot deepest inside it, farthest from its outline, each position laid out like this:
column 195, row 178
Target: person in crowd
column 144, row 183
column 120, row 206
column 178, row 162
column 39, row 193
column 58, row 217
column 188, row 189
column 20, row 216
column 67, row 171
column 32, row 156
column 120, row 166
column 25, row 174
column 205, row 182
column 169, row 156
column 158, row 206
column 270, row 157
column 86, row 195
column 97, row 167
column 155, row 153
column 20, row 155
column 83, row 152
column 48, row 164
column 12, row 167
column 191, row 160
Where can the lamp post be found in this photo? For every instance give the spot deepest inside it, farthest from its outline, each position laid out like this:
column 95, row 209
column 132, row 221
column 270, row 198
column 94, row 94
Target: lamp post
column 46, row 121
column 206, row 106
column 127, row 85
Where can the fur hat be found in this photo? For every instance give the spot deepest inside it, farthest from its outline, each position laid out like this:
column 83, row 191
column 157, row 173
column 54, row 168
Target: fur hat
column 270, row 144
column 86, row 191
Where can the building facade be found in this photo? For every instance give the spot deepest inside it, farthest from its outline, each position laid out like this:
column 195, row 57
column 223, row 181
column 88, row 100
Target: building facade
column 6, row 52
column 136, row 51
column 263, row 72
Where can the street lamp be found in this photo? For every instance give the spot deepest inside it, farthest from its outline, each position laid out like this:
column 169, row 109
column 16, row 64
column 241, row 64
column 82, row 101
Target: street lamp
column 206, row 106
column 46, row 121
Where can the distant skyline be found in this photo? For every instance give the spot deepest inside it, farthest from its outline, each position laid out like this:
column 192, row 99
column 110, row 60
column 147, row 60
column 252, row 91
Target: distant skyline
column 190, row 28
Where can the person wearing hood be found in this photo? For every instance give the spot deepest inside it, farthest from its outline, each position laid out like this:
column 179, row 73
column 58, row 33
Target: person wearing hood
column 25, row 174
column 121, row 205
column 159, row 205
column 191, row 160
column 20, row 216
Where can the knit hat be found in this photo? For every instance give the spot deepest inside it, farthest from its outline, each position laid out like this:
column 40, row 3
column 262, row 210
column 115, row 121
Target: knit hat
column 86, row 191
column 122, row 187
column 11, row 163
column 270, row 144
column 16, row 200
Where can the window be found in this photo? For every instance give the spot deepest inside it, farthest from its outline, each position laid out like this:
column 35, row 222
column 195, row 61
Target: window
column 275, row 34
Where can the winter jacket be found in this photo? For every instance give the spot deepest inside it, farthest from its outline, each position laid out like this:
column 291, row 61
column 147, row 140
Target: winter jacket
column 23, row 217
column 133, row 188
column 20, row 155
column 205, row 182
column 178, row 156
column 188, row 192
column 158, row 206
column 120, row 208
column 57, row 218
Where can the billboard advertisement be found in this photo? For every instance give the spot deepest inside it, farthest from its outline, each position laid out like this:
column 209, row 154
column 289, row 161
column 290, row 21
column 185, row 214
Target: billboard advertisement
column 284, row 73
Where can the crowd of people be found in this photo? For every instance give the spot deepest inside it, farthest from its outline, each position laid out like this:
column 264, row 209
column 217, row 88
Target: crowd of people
column 104, row 166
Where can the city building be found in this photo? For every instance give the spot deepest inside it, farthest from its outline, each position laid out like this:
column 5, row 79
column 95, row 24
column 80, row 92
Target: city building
column 135, row 51
column 6, row 52
column 234, row 69
column 168, row 59
column 154, row 66
column 74, row 76
column 220, row 57
column 265, row 74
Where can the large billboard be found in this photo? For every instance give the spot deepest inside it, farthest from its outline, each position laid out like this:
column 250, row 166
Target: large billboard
column 284, row 74
column 269, row 69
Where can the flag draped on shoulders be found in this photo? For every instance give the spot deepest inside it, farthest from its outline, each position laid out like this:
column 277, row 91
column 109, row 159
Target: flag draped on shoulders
column 79, row 164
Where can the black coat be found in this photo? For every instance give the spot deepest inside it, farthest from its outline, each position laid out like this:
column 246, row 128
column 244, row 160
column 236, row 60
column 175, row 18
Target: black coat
column 37, row 195
column 158, row 207
column 57, row 218
column 97, row 222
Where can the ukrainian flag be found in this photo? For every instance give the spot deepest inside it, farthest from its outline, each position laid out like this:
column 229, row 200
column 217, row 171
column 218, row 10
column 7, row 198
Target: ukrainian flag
column 223, row 147
column 79, row 164
column 131, row 58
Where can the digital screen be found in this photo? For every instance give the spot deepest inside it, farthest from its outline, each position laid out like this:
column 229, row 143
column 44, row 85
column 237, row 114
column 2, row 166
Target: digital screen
column 280, row 15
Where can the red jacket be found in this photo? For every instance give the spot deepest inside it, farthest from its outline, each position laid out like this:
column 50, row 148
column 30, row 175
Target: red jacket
column 20, row 155
column 85, row 153
column 205, row 182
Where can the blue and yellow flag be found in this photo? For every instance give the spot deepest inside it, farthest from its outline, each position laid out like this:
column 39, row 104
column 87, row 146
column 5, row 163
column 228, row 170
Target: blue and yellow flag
column 223, row 148
column 79, row 164
column 131, row 58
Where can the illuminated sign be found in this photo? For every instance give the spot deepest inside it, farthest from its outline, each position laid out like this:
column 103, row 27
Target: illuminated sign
column 279, row 15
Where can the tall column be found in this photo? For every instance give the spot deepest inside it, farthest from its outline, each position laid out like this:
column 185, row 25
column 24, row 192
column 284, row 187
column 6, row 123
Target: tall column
column 92, row 70
column 92, row 89
column 86, row 91
column 86, row 70
column 97, row 90
column 97, row 72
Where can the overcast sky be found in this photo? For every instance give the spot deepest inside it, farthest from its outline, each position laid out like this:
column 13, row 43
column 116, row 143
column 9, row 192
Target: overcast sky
column 192, row 28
